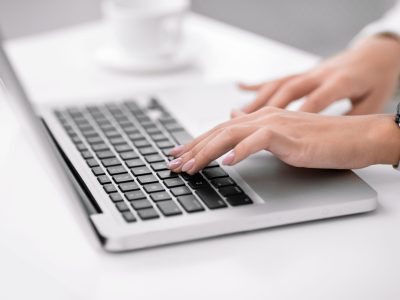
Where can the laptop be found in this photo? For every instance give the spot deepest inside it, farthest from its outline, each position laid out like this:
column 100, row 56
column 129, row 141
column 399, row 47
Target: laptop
column 115, row 154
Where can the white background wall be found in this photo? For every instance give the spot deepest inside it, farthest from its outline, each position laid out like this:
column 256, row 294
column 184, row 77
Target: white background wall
column 319, row 26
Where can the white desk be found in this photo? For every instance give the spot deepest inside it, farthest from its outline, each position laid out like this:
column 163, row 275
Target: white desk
column 46, row 252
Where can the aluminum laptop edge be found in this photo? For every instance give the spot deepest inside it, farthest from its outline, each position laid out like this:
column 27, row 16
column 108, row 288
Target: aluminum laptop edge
column 281, row 194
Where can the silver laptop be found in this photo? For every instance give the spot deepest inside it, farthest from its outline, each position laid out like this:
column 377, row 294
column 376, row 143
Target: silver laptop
column 115, row 155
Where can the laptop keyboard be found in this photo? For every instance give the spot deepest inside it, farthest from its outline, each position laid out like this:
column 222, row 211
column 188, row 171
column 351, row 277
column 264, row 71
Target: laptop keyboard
column 127, row 151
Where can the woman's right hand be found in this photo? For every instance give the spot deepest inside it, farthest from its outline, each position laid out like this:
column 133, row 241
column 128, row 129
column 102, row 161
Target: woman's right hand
column 367, row 74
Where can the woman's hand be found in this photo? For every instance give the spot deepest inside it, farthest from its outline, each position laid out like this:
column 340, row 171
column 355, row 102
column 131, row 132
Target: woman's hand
column 297, row 138
column 367, row 74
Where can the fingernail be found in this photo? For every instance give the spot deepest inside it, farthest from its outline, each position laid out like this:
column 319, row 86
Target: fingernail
column 188, row 165
column 228, row 160
column 177, row 150
column 173, row 164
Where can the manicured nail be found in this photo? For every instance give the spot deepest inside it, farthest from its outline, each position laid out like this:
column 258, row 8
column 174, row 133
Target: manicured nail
column 188, row 165
column 177, row 150
column 173, row 164
column 228, row 160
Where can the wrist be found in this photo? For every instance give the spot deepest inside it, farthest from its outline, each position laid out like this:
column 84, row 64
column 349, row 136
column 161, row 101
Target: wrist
column 387, row 136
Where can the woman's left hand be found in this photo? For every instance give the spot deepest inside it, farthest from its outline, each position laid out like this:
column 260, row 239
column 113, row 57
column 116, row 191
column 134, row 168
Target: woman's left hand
column 297, row 138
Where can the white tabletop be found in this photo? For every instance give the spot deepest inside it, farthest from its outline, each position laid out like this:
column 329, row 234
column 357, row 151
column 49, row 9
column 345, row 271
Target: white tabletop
column 47, row 251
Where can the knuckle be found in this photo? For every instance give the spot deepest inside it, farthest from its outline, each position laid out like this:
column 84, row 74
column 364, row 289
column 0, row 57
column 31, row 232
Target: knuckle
column 204, row 154
column 341, row 78
column 270, row 109
column 242, row 148
column 267, row 134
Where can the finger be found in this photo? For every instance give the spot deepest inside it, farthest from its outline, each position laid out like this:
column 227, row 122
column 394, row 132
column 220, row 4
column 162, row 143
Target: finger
column 293, row 90
column 266, row 91
column 182, row 149
column 237, row 113
column 322, row 97
column 176, row 164
column 250, row 87
column 262, row 139
column 368, row 105
column 220, row 144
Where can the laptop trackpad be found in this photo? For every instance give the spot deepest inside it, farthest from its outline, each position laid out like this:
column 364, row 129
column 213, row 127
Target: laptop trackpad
column 272, row 179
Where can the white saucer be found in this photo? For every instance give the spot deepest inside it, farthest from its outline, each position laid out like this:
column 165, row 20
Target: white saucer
column 110, row 56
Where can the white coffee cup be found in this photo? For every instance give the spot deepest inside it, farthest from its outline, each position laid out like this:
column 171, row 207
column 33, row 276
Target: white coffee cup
column 146, row 28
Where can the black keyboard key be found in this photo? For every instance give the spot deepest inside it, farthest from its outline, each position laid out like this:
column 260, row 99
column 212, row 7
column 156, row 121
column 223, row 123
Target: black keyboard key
column 159, row 166
column 140, row 171
column 148, row 151
column 166, row 119
column 116, row 170
column 140, row 204
column 130, row 130
column 128, row 217
column 152, row 130
column 86, row 154
column 112, row 134
column 76, row 139
column 125, row 123
column 190, row 203
column 107, row 127
column 166, row 151
column 172, row 127
column 147, row 124
column 241, row 199
column 135, row 195
column 117, row 141
column 221, row 182
column 111, row 162
column 100, row 147
column 173, row 182
column 147, row 213
column 122, row 178
column 147, row 179
column 105, row 154
column 95, row 140
column 153, row 187
column 210, row 198
column 230, row 191
column 110, row 188
column 103, row 179
column 123, row 148
column 92, row 162
column 196, row 181
column 122, row 206
column 160, row 196
column 166, row 174
column 81, row 147
column 129, row 155
column 116, row 197
column 169, row 208
column 164, row 144
column 141, row 143
column 98, row 171
column 128, row 186
column 154, row 158
column 132, row 163
column 158, row 137
column 181, row 190
column 135, row 136
column 212, row 164
column 212, row 173
column 90, row 134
